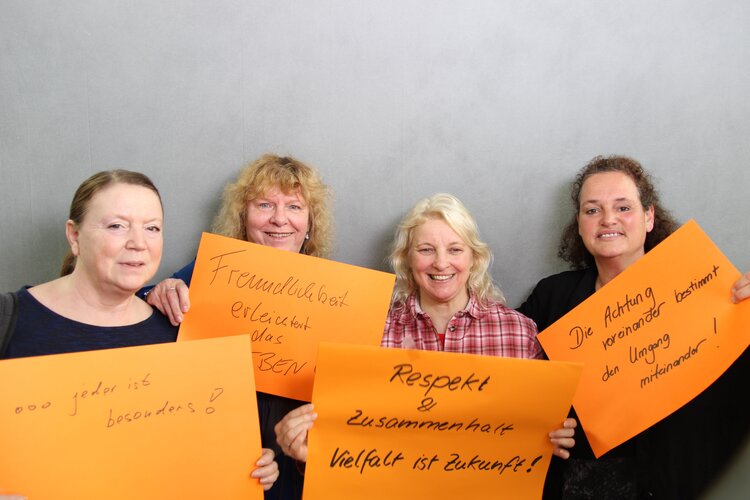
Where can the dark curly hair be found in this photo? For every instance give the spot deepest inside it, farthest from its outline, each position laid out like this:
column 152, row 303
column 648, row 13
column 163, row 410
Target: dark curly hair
column 572, row 249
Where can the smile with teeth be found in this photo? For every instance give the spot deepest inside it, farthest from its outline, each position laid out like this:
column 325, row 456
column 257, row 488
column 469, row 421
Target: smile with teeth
column 279, row 235
column 441, row 277
column 609, row 235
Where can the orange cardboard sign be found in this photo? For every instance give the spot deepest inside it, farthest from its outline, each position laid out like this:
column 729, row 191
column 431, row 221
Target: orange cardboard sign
column 150, row 422
column 287, row 302
column 406, row 424
column 653, row 338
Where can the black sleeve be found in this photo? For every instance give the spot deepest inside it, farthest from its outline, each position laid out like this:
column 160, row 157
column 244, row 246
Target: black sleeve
column 8, row 314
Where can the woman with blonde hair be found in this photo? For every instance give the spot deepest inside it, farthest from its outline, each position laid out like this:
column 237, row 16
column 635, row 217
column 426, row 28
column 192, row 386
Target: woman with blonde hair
column 280, row 202
column 444, row 300
column 452, row 212
column 276, row 201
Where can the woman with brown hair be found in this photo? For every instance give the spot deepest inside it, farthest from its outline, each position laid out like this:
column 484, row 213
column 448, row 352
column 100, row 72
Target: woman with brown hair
column 617, row 219
column 115, row 235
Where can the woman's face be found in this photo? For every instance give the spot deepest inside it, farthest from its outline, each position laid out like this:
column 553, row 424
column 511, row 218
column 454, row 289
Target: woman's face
column 118, row 244
column 611, row 220
column 278, row 220
column 440, row 262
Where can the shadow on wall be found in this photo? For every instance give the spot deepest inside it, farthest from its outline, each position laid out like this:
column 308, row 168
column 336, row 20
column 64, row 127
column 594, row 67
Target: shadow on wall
column 382, row 241
column 47, row 246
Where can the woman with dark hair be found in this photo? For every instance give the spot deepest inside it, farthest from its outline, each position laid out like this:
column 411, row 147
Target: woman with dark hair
column 115, row 236
column 618, row 217
column 573, row 249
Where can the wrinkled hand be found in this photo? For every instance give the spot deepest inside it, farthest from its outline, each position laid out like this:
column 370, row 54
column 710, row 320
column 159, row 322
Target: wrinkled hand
column 741, row 288
column 268, row 470
column 562, row 439
column 291, row 431
column 171, row 298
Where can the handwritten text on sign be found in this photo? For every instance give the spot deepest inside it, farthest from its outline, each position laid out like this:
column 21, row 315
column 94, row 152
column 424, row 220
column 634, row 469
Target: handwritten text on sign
column 653, row 338
column 407, row 424
column 287, row 303
column 167, row 420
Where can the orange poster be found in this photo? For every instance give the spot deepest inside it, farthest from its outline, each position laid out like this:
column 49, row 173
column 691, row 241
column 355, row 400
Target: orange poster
column 287, row 302
column 653, row 338
column 151, row 422
column 407, row 424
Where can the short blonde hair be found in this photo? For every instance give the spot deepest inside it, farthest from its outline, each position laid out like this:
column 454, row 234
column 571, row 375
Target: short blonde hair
column 449, row 209
column 287, row 174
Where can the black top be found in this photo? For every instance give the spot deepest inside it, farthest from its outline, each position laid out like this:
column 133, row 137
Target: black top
column 677, row 458
column 40, row 331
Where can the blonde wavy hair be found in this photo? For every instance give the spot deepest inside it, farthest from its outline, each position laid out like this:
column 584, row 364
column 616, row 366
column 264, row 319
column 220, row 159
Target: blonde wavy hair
column 287, row 174
column 449, row 209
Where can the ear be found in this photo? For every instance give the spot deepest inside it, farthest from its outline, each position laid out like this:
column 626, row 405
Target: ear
column 72, row 234
column 650, row 219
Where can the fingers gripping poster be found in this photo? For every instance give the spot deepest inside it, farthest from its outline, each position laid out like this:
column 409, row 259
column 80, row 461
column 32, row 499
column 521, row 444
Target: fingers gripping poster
column 406, row 424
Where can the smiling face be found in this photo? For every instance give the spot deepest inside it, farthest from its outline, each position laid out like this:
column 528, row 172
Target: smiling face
column 611, row 220
column 118, row 244
column 440, row 263
column 277, row 219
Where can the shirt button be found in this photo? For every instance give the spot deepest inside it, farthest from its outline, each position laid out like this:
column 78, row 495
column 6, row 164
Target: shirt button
column 452, row 328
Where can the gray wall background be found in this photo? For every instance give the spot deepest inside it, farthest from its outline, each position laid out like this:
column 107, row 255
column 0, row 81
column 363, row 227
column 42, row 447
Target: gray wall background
column 499, row 103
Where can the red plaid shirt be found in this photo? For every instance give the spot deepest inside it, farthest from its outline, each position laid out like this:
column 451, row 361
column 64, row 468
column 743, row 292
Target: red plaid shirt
column 494, row 330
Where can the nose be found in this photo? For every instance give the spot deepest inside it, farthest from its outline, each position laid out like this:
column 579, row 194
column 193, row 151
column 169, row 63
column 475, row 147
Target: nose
column 609, row 217
column 278, row 217
column 136, row 239
column 441, row 260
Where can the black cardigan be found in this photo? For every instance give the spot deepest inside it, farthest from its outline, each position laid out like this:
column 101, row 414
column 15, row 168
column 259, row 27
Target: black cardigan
column 680, row 456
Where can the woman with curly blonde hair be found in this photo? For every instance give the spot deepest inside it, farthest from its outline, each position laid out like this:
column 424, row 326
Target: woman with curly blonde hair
column 285, row 174
column 276, row 201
